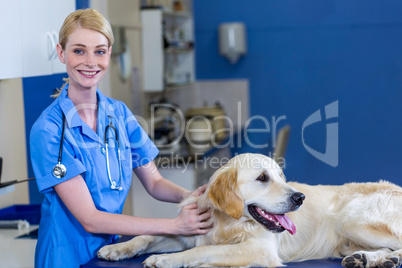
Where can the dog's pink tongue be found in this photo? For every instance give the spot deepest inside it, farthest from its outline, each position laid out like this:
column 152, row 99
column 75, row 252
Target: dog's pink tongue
column 286, row 223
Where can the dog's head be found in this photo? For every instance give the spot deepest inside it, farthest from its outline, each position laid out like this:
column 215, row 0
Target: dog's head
column 253, row 186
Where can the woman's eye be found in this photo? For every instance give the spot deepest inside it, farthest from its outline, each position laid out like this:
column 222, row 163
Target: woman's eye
column 101, row 52
column 263, row 178
column 78, row 51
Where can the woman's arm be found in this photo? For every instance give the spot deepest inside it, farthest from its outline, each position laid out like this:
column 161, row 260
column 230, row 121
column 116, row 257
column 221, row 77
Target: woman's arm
column 77, row 198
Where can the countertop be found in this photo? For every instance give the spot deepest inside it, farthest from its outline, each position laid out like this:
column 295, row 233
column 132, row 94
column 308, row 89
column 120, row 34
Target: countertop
column 137, row 262
column 16, row 252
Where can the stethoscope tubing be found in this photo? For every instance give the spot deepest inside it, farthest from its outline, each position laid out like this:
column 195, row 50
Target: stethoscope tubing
column 113, row 185
column 62, row 138
column 59, row 170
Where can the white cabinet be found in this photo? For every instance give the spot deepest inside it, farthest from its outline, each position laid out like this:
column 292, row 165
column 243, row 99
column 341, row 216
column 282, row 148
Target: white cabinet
column 11, row 44
column 59, row 10
column 168, row 48
column 42, row 20
column 30, row 31
column 152, row 48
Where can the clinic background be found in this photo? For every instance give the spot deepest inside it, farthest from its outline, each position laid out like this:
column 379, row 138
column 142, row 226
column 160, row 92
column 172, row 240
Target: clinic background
column 302, row 55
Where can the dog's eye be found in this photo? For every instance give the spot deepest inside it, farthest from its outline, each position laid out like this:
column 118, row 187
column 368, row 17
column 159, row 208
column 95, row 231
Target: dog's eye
column 263, row 178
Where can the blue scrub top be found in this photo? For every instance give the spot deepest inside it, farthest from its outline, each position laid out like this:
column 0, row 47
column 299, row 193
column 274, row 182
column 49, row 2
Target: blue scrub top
column 62, row 241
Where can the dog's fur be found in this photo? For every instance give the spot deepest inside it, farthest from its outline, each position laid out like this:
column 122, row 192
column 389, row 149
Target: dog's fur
column 360, row 222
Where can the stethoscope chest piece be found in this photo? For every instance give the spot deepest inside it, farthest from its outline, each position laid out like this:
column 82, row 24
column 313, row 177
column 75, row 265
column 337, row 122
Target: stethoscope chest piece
column 113, row 186
column 59, row 171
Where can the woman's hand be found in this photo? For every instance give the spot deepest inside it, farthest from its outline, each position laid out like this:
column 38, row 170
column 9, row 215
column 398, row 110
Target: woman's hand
column 193, row 221
column 197, row 192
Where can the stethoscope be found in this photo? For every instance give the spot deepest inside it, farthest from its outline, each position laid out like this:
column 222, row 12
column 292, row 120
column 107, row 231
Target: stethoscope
column 113, row 184
column 59, row 170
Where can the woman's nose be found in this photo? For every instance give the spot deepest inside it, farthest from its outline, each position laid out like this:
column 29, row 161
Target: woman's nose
column 90, row 60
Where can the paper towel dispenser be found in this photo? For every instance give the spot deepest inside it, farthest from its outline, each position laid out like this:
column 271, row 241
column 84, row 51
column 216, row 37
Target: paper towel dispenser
column 232, row 40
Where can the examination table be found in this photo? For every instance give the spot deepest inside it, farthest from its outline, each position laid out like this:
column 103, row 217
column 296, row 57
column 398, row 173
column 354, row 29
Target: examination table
column 137, row 262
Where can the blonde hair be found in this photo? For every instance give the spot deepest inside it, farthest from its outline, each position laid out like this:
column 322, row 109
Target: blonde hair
column 88, row 19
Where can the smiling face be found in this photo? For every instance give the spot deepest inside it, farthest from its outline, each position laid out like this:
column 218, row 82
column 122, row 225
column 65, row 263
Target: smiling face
column 86, row 55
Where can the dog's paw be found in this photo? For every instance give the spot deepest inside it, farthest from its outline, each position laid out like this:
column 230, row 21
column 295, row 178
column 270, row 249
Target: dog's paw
column 390, row 261
column 115, row 253
column 356, row 260
column 375, row 259
column 162, row 261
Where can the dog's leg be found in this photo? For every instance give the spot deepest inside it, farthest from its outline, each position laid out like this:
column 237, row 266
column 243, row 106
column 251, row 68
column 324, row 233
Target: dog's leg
column 237, row 255
column 366, row 256
column 383, row 258
column 372, row 245
column 141, row 245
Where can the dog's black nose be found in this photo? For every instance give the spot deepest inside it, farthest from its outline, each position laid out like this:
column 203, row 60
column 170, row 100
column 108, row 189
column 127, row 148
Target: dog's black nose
column 297, row 198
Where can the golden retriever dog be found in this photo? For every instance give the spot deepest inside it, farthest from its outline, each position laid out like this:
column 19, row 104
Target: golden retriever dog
column 256, row 213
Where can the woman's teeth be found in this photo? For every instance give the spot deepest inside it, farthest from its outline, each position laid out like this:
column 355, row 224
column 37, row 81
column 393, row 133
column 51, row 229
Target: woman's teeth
column 88, row 73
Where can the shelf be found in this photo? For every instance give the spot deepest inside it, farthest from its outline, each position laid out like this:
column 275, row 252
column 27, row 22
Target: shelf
column 169, row 13
column 177, row 14
column 176, row 86
column 178, row 50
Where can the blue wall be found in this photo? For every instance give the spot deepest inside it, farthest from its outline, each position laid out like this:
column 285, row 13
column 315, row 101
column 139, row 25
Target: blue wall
column 305, row 54
column 37, row 91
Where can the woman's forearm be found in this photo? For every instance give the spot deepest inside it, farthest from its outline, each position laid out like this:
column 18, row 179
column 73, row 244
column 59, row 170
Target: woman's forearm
column 167, row 191
column 109, row 223
column 159, row 187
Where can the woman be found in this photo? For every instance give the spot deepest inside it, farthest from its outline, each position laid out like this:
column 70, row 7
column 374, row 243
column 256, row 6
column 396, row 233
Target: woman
column 84, row 131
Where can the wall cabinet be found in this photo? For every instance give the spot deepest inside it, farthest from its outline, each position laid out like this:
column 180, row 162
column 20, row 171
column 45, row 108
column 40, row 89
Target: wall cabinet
column 33, row 28
column 168, row 48
column 11, row 45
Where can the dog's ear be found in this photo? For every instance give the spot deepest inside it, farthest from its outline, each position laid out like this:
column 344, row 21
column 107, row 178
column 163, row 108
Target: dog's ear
column 225, row 195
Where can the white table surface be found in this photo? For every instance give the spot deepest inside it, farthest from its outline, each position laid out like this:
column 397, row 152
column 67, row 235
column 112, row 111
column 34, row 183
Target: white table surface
column 17, row 253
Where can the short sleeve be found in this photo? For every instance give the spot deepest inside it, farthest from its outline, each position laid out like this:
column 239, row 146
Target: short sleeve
column 45, row 145
column 143, row 150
